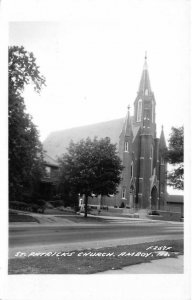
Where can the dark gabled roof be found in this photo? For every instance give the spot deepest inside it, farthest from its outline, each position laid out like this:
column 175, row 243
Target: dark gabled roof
column 49, row 161
column 175, row 199
column 57, row 142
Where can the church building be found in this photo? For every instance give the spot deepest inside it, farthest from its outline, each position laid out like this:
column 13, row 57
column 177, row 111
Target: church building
column 143, row 184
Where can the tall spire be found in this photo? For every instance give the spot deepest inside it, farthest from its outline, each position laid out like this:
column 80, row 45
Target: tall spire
column 128, row 129
column 145, row 86
column 162, row 142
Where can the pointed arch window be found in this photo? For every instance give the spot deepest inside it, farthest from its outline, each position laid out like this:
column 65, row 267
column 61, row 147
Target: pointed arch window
column 139, row 110
column 132, row 169
column 152, row 112
column 151, row 157
column 126, row 147
column 123, row 193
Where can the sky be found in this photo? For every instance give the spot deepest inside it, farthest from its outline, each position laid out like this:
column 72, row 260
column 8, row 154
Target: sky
column 92, row 55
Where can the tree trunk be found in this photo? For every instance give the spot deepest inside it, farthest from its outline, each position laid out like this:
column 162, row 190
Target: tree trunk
column 86, row 202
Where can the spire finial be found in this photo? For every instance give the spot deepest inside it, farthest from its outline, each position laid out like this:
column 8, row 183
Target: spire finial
column 145, row 63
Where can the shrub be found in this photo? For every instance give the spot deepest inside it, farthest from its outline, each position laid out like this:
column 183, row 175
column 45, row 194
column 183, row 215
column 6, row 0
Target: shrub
column 57, row 197
column 77, row 208
column 19, row 205
column 35, row 208
column 41, row 210
column 154, row 213
column 57, row 203
column 40, row 202
column 104, row 207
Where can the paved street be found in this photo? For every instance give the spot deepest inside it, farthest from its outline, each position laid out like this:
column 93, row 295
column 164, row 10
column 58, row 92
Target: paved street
column 115, row 232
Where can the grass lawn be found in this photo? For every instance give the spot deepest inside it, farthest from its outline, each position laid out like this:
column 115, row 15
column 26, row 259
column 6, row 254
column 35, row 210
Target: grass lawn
column 55, row 211
column 92, row 261
column 82, row 219
column 18, row 217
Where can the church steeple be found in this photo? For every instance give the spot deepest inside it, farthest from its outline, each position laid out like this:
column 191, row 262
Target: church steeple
column 144, row 105
column 162, row 142
column 144, row 85
column 128, row 129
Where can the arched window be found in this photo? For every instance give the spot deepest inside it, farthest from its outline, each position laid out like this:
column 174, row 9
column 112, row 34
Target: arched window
column 146, row 92
column 151, row 156
column 139, row 110
column 126, row 147
column 123, row 193
column 152, row 111
column 132, row 170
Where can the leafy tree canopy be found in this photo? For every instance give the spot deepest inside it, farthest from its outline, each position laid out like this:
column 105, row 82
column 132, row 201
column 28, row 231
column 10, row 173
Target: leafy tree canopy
column 91, row 167
column 175, row 152
column 25, row 149
column 23, row 70
column 174, row 156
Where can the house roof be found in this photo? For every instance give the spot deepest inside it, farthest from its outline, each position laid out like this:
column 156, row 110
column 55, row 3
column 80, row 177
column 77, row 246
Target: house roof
column 57, row 142
column 175, row 199
column 49, row 161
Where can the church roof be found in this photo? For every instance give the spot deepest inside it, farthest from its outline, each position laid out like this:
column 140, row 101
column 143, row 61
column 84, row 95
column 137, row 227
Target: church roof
column 175, row 198
column 57, row 142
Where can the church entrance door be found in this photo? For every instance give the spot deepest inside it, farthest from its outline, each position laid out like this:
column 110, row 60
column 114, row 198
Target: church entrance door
column 154, row 198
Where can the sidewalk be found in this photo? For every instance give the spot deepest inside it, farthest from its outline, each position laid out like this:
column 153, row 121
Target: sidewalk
column 60, row 220
column 160, row 266
column 57, row 222
column 134, row 219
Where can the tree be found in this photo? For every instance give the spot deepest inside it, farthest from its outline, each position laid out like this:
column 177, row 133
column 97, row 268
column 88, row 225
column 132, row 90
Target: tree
column 174, row 156
column 25, row 149
column 91, row 167
column 23, row 70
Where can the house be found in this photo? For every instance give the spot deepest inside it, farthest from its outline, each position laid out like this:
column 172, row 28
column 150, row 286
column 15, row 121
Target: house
column 48, row 184
column 175, row 203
